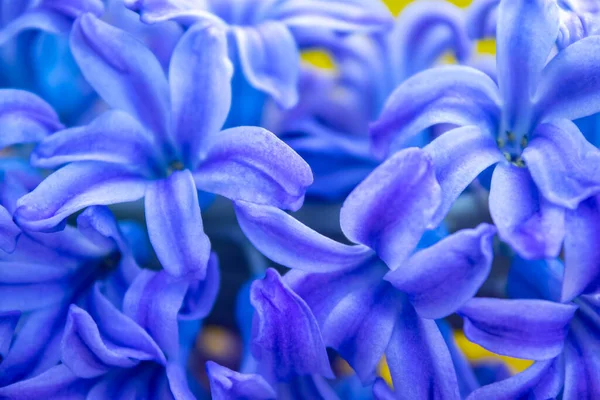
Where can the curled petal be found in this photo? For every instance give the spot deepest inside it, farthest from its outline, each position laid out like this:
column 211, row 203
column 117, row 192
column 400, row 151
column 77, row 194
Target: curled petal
column 226, row 384
column 270, row 60
column 272, row 230
column 175, row 225
column 286, row 338
column 454, row 94
column 9, row 232
column 165, row 10
column 441, row 278
column 391, row 209
column 532, row 225
column 73, row 188
column 581, row 361
column 539, row 279
column 531, row 329
column 123, row 71
column 202, row 294
column 252, row 164
column 37, row 19
column 481, row 18
column 199, row 75
column 74, row 8
column 8, row 323
column 54, row 383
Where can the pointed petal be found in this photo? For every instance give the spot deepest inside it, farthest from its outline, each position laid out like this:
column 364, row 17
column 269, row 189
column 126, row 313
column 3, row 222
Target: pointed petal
column 123, row 71
column 270, row 60
column 272, row 230
column 200, row 78
column 175, row 225
column 286, row 339
column 531, row 329
column 252, row 164
column 441, row 278
column 529, row 223
column 391, row 209
column 563, row 164
column 202, row 294
column 226, row 384
column 73, row 188
column 459, row 156
column 456, row 95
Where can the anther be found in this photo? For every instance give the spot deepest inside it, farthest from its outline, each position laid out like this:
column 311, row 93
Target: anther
column 524, row 141
column 175, row 166
column 510, row 137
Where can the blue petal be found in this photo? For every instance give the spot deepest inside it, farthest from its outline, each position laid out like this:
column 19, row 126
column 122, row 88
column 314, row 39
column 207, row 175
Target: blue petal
column 175, row 225
column 269, row 59
column 581, row 360
column 272, row 230
column 202, row 294
column 252, row 164
column 37, row 19
column 185, row 13
column 9, row 232
column 481, row 19
column 74, row 8
column 58, row 382
column 8, row 323
column 286, row 338
column 391, row 209
column 531, row 329
column 540, row 279
column 441, row 278
column 123, row 71
column 454, row 94
column 226, row 384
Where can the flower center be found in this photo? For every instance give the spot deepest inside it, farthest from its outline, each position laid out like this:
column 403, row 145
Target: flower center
column 512, row 147
column 175, row 166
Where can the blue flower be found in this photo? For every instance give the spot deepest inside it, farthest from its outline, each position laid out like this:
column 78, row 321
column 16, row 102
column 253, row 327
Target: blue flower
column 379, row 295
column 162, row 142
column 544, row 166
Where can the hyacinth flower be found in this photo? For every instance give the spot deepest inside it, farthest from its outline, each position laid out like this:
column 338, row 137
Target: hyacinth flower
column 544, row 167
column 291, row 358
column 380, row 295
column 560, row 333
column 111, row 350
column 265, row 37
column 331, row 120
column 161, row 142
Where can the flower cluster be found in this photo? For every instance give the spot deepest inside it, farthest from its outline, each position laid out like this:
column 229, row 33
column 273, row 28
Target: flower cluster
column 146, row 142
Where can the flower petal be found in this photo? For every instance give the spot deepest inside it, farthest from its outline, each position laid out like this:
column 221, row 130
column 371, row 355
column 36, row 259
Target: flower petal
column 456, row 95
column 123, row 71
column 581, row 360
column 226, row 384
column 539, row 279
column 271, row 231
column 73, row 188
column 58, row 382
column 527, row 31
column 185, row 13
column 252, row 164
column 74, row 8
column 563, row 164
column 570, row 83
column 529, row 223
column 481, row 19
column 419, row 360
column 531, row 329
column 8, row 323
column 202, row 294
column 270, row 60
column 391, row 209
column 36, row 19
column 175, row 225
column 459, row 156
column 25, row 118
column 200, row 78
column 441, row 278
column 286, row 339
column 9, row 232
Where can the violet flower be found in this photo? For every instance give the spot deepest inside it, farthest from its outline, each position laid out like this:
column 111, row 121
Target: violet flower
column 161, row 142
column 544, row 166
column 379, row 295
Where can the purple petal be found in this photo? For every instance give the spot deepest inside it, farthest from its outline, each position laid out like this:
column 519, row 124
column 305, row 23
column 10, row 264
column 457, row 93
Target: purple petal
column 531, row 329
column 202, row 294
column 543, row 380
column 459, row 156
column 454, row 94
column 286, row 339
column 419, row 360
column 481, row 18
column 178, row 383
column 570, row 83
column 58, row 382
column 36, row 19
column 539, row 279
column 226, row 384
column 8, row 323
column 200, row 75
column 74, row 8
column 581, row 361
column 441, row 278
column 582, row 253
column 252, row 164
column 529, row 223
column 272, row 230
column 526, row 34
column 563, row 164
column 9, row 232
column 73, row 188
column 382, row 391
column 270, row 60
column 123, row 71
column 25, row 118
column 391, row 209
column 175, row 225
column 114, row 137
column 159, row 11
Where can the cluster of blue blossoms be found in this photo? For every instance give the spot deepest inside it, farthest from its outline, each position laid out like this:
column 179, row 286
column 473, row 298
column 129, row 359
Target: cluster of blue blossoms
column 153, row 107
